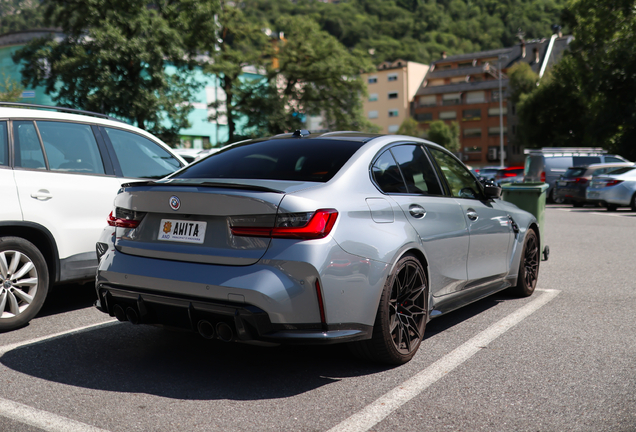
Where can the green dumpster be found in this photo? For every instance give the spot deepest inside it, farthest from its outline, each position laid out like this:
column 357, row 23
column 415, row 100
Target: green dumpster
column 530, row 197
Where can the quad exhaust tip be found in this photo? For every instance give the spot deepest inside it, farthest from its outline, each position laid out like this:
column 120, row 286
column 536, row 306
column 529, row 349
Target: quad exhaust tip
column 119, row 313
column 206, row 329
column 132, row 315
column 224, row 332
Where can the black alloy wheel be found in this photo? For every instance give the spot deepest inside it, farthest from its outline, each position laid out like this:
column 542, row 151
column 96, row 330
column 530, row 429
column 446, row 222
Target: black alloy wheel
column 528, row 266
column 401, row 318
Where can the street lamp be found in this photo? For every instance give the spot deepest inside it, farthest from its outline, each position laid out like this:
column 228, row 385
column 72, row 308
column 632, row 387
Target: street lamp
column 501, row 142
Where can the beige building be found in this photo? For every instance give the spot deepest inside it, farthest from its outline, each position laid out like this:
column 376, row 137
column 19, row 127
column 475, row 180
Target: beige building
column 391, row 89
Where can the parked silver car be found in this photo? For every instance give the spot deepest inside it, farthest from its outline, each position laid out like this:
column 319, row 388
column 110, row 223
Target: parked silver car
column 572, row 185
column 617, row 189
column 339, row 237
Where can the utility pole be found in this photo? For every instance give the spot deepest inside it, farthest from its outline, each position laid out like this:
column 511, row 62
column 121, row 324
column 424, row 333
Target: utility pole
column 501, row 140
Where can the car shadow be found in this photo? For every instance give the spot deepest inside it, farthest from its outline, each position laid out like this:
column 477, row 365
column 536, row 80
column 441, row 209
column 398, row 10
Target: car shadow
column 121, row 357
column 68, row 297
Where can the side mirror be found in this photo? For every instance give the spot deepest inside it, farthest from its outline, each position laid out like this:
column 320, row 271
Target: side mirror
column 492, row 191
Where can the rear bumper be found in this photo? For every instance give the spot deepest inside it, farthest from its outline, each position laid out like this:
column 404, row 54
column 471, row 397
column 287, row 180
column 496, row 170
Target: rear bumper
column 245, row 322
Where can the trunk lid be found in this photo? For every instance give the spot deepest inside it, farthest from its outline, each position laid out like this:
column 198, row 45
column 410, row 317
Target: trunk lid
column 191, row 222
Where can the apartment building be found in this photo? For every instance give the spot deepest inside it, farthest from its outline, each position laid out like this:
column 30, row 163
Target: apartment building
column 391, row 89
column 465, row 88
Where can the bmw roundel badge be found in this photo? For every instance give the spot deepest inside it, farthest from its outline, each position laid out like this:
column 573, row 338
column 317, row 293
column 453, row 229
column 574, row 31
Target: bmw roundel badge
column 174, row 202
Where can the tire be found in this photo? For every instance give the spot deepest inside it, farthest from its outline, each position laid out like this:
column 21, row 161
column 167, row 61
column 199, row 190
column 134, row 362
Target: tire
column 555, row 199
column 632, row 204
column 612, row 207
column 401, row 318
column 24, row 282
column 528, row 266
column 577, row 204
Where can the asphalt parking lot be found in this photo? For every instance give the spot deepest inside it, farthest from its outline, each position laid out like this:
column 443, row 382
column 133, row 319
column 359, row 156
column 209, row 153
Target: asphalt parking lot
column 560, row 360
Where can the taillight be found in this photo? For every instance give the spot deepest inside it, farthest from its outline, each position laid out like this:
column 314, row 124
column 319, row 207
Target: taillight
column 509, row 174
column 581, row 180
column 613, row 182
column 543, row 176
column 304, row 226
column 125, row 218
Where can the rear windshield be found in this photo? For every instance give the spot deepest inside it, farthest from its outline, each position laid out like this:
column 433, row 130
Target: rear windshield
column 621, row 170
column 574, row 172
column 293, row 159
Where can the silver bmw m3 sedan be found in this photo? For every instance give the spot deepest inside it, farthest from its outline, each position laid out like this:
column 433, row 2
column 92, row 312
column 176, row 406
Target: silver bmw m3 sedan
column 314, row 238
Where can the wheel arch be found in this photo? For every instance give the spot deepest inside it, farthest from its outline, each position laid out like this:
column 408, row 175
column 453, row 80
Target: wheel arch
column 41, row 238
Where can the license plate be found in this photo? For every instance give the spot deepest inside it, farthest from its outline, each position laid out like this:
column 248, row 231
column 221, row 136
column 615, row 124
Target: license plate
column 182, row 231
column 593, row 194
column 561, row 183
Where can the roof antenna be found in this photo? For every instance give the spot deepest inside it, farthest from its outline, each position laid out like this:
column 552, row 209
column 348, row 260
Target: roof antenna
column 300, row 133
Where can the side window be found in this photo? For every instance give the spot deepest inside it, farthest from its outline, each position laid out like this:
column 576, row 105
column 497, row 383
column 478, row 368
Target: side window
column 613, row 159
column 70, row 147
column 28, row 152
column 460, row 180
column 387, row 174
column 585, row 160
column 4, row 144
column 139, row 157
column 416, row 169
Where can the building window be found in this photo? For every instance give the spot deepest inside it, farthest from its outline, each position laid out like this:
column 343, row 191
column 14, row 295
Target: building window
column 373, row 97
column 451, row 99
column 372, row 79
column 393, row 128
column 393, row 113
column 471, row 114
column 472, row 133
column 448, row 115
column 393, row 95
column 373, row 114
column 443, row 67
column 424, row 117
column 494, row 112
column 495, row 96
column 435, row 82
column 475, row 97
column 427, row 101
column 392, row 77
column 495, row 130
column 465, row 64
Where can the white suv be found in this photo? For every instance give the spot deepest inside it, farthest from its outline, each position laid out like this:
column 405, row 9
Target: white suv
column 59, row 174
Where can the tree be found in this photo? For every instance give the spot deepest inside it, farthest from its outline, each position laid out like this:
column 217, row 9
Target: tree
column 410, row 127
column 316, row 76
column 16, row 15
column 10, row 89
column 590, row 97
column 240, row 43
column 522, row 80
column 445, row 135
column 115, row 55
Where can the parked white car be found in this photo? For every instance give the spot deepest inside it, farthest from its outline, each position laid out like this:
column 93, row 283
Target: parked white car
column 59, row 173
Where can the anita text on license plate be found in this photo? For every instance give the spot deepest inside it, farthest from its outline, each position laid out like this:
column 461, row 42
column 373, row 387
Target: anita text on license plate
column 182, row 231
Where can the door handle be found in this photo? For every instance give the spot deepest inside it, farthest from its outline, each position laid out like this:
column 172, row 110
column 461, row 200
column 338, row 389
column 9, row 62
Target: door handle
column 472, row 214
column 417, row 211
column 42, row 195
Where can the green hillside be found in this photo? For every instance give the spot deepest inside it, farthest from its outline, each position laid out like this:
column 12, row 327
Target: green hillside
column 419, row 30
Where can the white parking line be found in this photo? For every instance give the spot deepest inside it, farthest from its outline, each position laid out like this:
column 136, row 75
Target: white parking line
column 43, row 419
column 6, row 348
column 377, row 411
column 602, row 213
